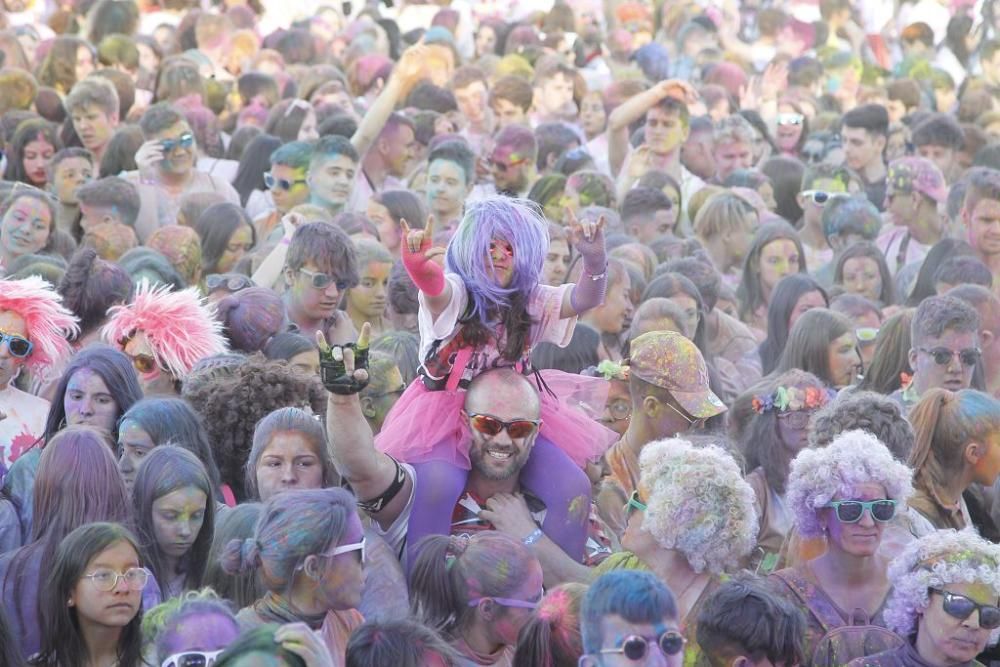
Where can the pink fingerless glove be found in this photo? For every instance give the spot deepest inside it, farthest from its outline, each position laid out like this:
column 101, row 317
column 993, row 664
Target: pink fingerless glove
column 425, row 273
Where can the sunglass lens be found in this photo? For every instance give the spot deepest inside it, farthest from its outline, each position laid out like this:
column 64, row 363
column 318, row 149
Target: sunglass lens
column 820, row 197
column 143, row 363
column 958, row 606
column 19, row 347
column 269, row 181
column 635, row 648
column 942, row 357
column 671, row 643
column 192, row 660
column 969, row 357
column 486, row 425
column 884, row 510
column 321, row 281
column 850, row 512
column 989, row 617
column 520, row 429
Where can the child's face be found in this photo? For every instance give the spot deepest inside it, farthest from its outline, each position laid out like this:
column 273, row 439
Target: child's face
column 502, row 258
column 69, row 175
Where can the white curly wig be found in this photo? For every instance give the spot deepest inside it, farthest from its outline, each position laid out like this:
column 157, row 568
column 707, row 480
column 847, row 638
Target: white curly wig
column 853, row 458
column 698, row 503
column 933, row 561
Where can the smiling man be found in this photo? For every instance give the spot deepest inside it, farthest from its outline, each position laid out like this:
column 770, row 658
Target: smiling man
column 945, row 348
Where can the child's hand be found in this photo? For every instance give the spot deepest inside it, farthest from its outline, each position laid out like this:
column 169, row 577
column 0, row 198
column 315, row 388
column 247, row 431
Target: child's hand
column 418, row 240
column 586, row 237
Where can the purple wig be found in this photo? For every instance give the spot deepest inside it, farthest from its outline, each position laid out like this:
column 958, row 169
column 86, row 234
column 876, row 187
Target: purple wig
column 514, row 220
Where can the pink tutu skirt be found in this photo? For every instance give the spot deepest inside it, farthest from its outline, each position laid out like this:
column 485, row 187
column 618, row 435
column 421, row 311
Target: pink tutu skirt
column 427, row 425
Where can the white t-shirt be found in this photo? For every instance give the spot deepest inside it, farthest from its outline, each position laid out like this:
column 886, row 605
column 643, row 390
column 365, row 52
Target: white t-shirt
column 24, row 423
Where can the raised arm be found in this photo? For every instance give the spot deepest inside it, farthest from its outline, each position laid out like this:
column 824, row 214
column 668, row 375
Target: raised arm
column 588, row 240
column 369, row 472
column 409, row 69
column 418, row 256
column 635, row 108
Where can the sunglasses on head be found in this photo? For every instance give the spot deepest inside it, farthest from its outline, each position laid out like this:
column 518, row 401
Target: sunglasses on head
column 866, row 334
column 281, row 183
column 348, row 548
column 636, row 647
column 851, row 511
column 18, row 346
column 324, row 280
column 233, row 282
column 943, row 356
column 186, row 140
column 192, row 659
column 961, row 607
column 491, row 426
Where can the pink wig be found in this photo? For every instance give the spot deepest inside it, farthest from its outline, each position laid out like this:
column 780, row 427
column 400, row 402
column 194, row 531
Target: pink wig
column 48, row 322
column 180, row 329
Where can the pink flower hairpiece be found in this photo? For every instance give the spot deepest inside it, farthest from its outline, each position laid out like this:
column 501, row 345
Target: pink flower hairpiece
column 791, row 399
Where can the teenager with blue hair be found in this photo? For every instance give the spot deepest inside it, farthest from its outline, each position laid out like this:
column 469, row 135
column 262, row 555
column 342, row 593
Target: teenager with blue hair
column 487, row 309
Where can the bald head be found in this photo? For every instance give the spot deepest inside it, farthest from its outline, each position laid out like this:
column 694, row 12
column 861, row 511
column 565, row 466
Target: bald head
column 503, row 393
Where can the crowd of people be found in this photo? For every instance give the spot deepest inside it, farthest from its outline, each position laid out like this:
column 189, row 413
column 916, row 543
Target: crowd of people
column 529, row 334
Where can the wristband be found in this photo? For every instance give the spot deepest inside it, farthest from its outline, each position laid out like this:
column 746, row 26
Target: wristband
column 534, row 537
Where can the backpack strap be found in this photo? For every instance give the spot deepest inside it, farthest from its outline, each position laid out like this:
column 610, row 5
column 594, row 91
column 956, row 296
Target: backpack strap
column 818, row 605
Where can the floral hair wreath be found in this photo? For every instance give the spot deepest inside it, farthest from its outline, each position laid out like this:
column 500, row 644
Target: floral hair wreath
column 791, row 399
column 611, row 370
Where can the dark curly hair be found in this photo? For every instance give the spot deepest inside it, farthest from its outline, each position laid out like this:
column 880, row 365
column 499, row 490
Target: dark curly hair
column 230, row 404
column 866, row 410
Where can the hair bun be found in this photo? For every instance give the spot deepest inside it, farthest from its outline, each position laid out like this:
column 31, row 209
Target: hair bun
column 240, row 556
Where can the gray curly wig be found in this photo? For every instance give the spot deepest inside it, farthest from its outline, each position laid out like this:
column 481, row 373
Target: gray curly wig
column 866, row 411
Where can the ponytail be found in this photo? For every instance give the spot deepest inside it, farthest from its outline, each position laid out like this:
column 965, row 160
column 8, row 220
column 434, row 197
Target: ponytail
column 944, row 423
column 435, row 591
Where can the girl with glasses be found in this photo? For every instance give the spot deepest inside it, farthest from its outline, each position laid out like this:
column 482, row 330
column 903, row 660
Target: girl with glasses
column 691, row 519
column 308, row 549
column 174, row 518
column 847, row 492
column 957, row 445
column 92, row 600
column 478, row 591
column 946, row 588
column 77, row 484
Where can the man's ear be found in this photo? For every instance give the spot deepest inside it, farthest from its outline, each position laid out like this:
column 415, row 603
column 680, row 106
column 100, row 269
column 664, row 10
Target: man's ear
column 651, row 406
column 974, row 452
column 881, row 141
column 367, row 407
column 986, row 338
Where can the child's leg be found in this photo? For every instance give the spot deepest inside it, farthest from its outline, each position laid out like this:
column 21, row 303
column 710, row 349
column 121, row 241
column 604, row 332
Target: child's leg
column 565, row 489
column 439, row 485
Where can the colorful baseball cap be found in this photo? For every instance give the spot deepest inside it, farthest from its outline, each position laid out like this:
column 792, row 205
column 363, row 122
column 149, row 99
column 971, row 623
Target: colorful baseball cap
column 670, row 361
column 909, row 174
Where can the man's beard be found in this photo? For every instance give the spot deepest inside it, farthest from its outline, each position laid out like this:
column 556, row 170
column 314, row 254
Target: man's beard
column 480, row 462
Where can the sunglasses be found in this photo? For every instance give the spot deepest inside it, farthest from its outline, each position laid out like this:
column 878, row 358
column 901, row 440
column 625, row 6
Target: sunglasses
column 143, row 363
column 19, row 346
column 281, row 183
column 324, row 280
column 491, row 426
column 866, row 334
column 796, row 419
column 636, row 647
column 693, row 423
column 943, row 356
column 961, row 607
column 819, row 197
column 233, row 282
column 506, row 602
column 790, row 118
column 186, row 140
column 851, row 511
column 633, row 503
column 348, row 548
column 192, row 659
column 106, row 580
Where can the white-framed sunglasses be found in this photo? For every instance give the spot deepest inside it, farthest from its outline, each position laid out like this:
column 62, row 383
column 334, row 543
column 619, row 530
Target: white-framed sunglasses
column 192, row 659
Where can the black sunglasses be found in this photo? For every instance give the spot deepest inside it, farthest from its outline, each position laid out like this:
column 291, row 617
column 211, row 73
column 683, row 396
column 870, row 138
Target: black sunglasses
column 943, row 356
column 636, row 647
column 961, row 607
column 851, row 511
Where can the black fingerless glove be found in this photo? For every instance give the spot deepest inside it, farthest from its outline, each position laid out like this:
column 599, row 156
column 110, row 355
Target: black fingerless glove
column 334, row 375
